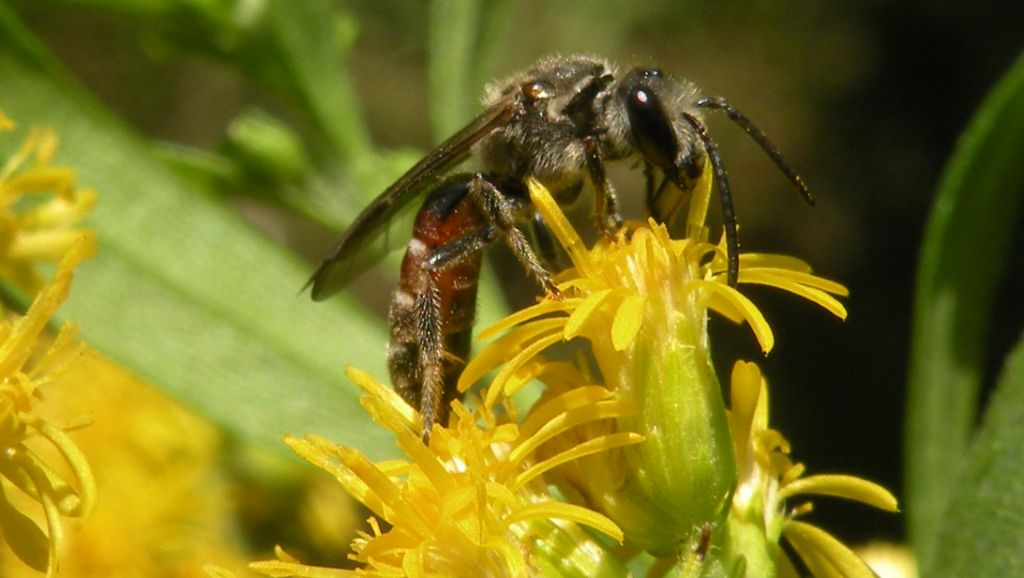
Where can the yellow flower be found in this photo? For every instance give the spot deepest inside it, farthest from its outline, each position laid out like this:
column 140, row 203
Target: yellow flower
column 164, row 506
column 473, row 502
column 21, row 429
column 889, row 560
column 769, row 480
column 642, row 302
column 39, row 208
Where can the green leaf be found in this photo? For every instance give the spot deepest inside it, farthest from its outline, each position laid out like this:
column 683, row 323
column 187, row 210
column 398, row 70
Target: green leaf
column 982, row 533
column 188, row 295
column 966, row 241
column 296, row 48
column 464, row 36
column 453, row 35
column 311, row 40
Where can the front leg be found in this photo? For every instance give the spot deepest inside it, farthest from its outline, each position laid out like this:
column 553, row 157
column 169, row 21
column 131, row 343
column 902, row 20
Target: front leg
column 606, row 204
column 503, row 215
column 544, row 240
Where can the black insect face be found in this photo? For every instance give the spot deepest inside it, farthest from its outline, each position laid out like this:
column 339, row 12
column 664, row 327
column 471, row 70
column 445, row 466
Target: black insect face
column 650, row 124
column 652, row 106
column 548, row 143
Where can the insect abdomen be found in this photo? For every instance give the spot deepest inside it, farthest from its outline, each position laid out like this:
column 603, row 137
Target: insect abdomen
column 447, row 214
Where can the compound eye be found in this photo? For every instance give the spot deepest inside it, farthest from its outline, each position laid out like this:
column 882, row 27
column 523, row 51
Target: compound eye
column 538, row 90
column 651, row 128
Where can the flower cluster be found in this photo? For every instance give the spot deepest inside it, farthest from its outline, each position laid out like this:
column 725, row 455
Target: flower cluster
column 645, row 451
column 21, row 467
column 473, row 502
column 39, row 209
column 32, row 230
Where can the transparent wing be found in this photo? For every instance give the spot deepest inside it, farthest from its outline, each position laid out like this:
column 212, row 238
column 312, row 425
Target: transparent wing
column 356, row 250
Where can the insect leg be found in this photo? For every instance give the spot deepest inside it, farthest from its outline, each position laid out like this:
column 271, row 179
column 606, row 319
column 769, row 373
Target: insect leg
column 606, row 205
column 445, row 317
column 461, row 249
column 546, row 245
column 663, row 203
column 430, row 331
column 732, row 241
column 503, row 213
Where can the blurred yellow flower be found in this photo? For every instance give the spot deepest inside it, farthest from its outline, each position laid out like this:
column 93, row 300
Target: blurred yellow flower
column 769, row 480
column 889, row 560
column 23, row 430
column 164, row 507
column 142, row 470
column 473, row 502
column 40, row 207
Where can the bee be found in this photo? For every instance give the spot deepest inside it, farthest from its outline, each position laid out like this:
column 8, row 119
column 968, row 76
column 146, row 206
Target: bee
column 559, row 123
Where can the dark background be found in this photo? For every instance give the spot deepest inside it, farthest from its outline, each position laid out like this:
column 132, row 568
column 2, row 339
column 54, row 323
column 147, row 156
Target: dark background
column 865, row 101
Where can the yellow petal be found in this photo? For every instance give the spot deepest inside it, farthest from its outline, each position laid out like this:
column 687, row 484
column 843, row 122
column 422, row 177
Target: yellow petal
column 376, row 389
column 560, row 227
column 582, row 313
column 629, row 318
column 500, row 350
column 750, row 313
column 807, row 279
column 42, row 180
column 61, row 212
column 540, row 343
column 214, row 571
column 783, row 280
column 842, row 486
column 524, row 315
column 572, row 513
column 785, row 567
column 601, row 410
column 700, row 198
column 823, row 554
column 774, row 261
column 525, row 374
column 591, row 446
column 86, row 483
column 547, row 409
column 278, row 569
column 24, row 537
column 725, row 308
column 746, row 387
column 18, row 345
column 357, row 488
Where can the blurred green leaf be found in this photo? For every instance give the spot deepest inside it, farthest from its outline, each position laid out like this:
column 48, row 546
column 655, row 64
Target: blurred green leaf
column 296, row 48
column 966, row 241
column 982, row 533
column 268, row 149
column 311, row 41
column 454, row 25
column 184, row 292
column 464, row 36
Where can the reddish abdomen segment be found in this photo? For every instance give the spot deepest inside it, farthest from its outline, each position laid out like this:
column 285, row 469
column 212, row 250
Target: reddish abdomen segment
column 447, row 214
